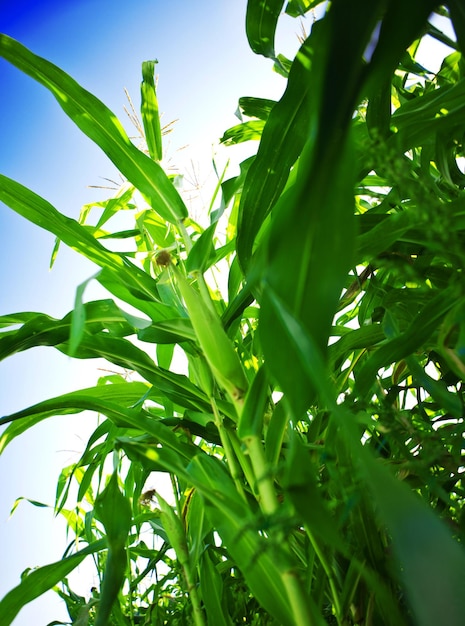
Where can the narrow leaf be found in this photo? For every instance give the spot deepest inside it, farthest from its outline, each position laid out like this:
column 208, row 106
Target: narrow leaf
column 41, row 580
column 149, row 110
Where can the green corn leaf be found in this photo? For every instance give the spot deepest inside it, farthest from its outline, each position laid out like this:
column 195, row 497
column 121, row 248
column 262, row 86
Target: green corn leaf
column 41, row 580
column 115, row 401
column 251, row 419
column 211, row 587
column 431, row 563
column 296, row 8
column 78, row 318
column 282, row 140
column 119, row 202
column 314, row 247
column 43, row 330
column 457, row 12
column 256, row 107
column 197, row 527
column 113, row 509
column 169, row 331
column 123, row 353
column 247, row 131
column 156, row 459
column 96, row 121
column 230, row 515
column 356, row 339
column 128, row 293
column 149, row 111
column 311, row 243
column 260, row 25
column 43, row 214
column 202, row 254
column 275, row 433
column 12, row 319
column 419, row 331
column 401, row 25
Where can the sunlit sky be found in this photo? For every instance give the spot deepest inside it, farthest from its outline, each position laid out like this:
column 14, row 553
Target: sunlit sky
column 204, row 66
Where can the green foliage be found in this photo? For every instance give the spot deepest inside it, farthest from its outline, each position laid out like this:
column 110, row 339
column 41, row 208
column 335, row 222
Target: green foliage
column 313, row 445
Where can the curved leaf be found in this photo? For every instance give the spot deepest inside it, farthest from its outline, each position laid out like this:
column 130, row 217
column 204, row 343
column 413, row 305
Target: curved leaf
column 41, row 580
column 43, row 214
column 260, row 25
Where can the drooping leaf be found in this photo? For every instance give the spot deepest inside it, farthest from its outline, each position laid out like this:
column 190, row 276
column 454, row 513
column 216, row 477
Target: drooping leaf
column 247, row 131
column 260, row 25
column 43, row 214
column 256, row 107
column 119, row 402
column 41, row 580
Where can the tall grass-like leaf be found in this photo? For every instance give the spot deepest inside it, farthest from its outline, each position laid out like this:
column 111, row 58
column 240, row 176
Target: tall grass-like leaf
column 282, row 140
column 247, row 131
column 116, row 350
column 312, row 235
column 256, row 107
column 43, row 214
column 401, row 25
column 113, row 509
column 297, row 8
column 149, row 111
column 308, row 262
column 109, row 400
column 42, row 330
column 78, row 318
column 100, row 124
column 251, row 419
column 211, row 586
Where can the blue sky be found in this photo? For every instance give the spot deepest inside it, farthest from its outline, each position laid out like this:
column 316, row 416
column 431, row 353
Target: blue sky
column 204, row 66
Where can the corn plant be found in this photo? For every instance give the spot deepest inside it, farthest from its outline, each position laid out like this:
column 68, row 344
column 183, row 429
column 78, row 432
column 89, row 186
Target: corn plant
column 314, row 441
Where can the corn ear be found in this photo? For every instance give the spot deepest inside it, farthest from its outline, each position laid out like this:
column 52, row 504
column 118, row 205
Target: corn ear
column 213, row 340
